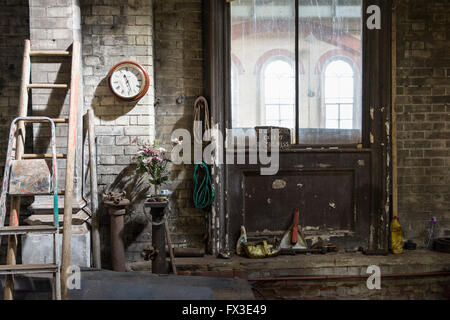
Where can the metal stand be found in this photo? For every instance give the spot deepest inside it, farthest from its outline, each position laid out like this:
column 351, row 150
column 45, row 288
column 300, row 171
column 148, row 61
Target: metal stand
column 116, row 205
column 158, row 236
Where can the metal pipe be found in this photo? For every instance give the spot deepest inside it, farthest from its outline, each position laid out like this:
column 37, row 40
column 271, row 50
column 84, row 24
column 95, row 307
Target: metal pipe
column 117, row 210
column 96, row 261
column 392, row 275
column 158, row 240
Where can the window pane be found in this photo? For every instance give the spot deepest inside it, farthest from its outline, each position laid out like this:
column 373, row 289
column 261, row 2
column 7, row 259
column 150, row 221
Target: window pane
column 332, row 124
column 346, row 112
column 330, row 33
column 346, row 124
column 263, row 44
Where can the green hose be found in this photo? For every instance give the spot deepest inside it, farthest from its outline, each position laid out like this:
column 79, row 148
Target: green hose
column 204, row 193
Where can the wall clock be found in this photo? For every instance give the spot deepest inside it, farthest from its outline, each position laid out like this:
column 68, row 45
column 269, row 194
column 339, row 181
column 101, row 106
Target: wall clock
column 128, row 80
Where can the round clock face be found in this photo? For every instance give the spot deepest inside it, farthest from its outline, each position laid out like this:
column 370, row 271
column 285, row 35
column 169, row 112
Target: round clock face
column 128, row 81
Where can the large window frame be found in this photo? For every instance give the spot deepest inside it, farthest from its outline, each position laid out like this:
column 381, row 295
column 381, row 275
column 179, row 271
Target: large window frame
column 376, row 111
column 361, row 121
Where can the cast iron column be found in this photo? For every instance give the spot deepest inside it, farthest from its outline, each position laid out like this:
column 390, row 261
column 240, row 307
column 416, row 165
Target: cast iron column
column 116, row 204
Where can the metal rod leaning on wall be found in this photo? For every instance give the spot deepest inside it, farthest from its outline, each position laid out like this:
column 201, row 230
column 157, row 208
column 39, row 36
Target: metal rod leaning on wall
column 96, row 256
column 169, row 244
column 394, row 114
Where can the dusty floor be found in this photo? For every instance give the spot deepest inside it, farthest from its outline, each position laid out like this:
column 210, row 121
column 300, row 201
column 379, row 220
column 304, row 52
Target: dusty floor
column 317, row 264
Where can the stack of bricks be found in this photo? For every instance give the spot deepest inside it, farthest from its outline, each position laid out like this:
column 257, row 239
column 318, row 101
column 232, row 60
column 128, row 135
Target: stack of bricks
column 423, row 114
column 114, row 31
column 179, row 72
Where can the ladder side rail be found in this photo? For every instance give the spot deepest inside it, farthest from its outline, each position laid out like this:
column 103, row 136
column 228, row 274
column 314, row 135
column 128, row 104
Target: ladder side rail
column 20, row 146
column 70, row 166
column 56, row 255
column 6, row 173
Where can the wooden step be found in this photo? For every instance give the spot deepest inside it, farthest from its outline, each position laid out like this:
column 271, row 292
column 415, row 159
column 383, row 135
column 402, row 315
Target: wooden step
column 47, row 86
column 55, row 120
column 28, row 229
column 43, row 156
column 28, row 268
column 50, row 53
column 60, row 120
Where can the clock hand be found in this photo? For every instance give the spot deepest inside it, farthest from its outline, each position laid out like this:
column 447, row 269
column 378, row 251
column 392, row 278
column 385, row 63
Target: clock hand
column 128, row 83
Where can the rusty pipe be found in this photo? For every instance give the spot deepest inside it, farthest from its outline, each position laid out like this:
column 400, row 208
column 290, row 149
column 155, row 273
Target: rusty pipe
column 157, row 209
column 117, row 210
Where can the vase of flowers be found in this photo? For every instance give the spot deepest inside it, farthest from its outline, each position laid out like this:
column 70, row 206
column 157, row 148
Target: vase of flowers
column 152, row 160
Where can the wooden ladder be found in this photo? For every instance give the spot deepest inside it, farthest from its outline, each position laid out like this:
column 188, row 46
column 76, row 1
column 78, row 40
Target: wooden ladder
column 14, row 229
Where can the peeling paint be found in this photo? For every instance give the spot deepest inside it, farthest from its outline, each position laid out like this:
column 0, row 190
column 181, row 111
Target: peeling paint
column 323, row 165
column 279, row 184
column 361, row 163
column 332, row 205
column 300, row 185
column 372, row 110
column 372, row 139
column 299, row 166
column 269, row 201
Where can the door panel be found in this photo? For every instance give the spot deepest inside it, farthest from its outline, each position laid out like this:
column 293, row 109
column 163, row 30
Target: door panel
column 331, row 190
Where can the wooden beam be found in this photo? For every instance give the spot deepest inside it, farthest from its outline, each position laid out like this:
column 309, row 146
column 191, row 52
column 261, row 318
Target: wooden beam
column 50, row 53
column 15, row 201
column 70, row 167
column 47, row 86
column 394, row 115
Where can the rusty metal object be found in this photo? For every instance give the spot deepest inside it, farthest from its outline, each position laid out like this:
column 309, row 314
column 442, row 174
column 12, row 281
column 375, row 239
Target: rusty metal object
column 158, row 234
column 116, row 204
column 149, row 252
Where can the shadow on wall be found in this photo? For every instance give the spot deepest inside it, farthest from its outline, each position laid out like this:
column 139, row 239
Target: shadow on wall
column 136, row 188
column 106, row 106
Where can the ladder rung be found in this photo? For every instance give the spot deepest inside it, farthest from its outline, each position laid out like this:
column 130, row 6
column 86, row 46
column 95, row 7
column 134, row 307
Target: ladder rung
column 28, row 229
column 28, row 268
column 43, row 156
column 60, row 120
column 47, row 86
column 50, row 53
column 55, row 120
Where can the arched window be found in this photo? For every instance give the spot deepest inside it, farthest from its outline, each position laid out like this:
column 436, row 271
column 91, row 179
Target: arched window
column 339, row 95
column 279, row 94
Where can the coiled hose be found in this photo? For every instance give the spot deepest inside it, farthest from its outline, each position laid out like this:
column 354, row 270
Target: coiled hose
column 204, row 193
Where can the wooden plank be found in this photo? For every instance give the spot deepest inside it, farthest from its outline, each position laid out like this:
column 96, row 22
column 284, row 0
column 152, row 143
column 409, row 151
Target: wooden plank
column 70, row 167
column 43, row 156
column 47, row 86
column 50, row 53
column 55, row 120
column 394, row 115
column 27, row 229
column 27, row 268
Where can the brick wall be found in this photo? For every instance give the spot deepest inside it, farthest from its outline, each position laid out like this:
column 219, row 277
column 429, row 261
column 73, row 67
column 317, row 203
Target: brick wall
column 423, row 114
column 179, row 72
column 14, row 28
column 115, row 31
